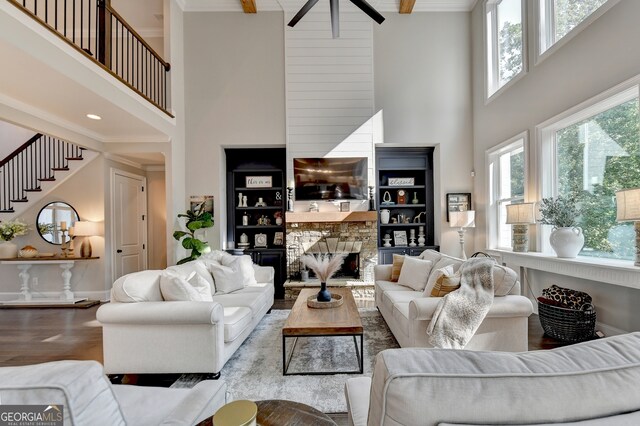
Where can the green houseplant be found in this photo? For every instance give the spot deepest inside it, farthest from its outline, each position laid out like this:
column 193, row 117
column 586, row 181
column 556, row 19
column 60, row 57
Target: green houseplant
column 197, row 218
column 562, row 213
column 8, row 231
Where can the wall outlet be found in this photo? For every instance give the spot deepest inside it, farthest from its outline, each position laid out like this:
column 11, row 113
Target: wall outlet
column 34, row 282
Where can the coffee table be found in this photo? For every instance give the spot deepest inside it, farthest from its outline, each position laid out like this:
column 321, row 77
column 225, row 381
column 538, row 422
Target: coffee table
column 309, row 322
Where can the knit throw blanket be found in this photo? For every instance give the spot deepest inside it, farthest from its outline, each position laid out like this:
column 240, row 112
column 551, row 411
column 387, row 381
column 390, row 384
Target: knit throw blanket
column 460, row 313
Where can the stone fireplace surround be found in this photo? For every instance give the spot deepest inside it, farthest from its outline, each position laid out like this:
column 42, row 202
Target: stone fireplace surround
column 321, row 232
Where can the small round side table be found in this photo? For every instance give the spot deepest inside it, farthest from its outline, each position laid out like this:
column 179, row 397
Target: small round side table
column 236, row 413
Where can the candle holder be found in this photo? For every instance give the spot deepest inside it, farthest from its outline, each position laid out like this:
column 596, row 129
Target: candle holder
column 63, row 243
column 372, row 204
column 289, row 199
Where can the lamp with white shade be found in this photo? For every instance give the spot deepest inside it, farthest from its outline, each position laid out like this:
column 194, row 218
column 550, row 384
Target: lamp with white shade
column 463, row 220
column 87, row 230
column 628, row 205
column 520, row 216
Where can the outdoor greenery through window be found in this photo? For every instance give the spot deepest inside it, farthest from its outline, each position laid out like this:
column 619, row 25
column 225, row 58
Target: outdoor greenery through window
column 504, row 42
column 559, row 17
column 507, row 181
column 595, row 158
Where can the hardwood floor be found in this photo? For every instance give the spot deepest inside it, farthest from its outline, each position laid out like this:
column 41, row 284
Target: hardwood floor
column 31, row 336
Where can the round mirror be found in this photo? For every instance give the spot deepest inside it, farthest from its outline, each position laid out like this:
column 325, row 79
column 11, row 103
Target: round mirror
column 53, row 218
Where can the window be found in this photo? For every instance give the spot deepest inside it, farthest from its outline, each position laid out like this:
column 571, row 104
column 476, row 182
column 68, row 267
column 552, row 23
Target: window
column 559, row 17
column 590, row 155
column 506, row 165
column 504, row 36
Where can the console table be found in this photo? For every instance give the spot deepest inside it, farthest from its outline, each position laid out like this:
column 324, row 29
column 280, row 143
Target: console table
column 25, row 264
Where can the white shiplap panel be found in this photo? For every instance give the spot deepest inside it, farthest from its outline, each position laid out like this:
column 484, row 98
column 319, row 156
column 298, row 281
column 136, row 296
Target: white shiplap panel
column 329, row 88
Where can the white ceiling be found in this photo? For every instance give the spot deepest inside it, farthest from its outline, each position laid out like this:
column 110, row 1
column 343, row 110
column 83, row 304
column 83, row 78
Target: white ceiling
column 144, row 15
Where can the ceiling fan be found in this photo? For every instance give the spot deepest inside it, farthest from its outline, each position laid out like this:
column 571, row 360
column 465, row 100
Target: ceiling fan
column 335, row 23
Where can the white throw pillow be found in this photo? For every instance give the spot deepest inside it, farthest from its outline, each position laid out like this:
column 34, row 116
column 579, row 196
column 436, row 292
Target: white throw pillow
column 243, row 267
column 435, row 276
column 175, row 288
column 227, row 279
column 199, row 267
column 415, row 272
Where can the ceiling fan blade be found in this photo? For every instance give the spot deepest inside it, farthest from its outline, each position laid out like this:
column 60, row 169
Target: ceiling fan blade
column 307, row 6
column 366, row 8
column 335, row 18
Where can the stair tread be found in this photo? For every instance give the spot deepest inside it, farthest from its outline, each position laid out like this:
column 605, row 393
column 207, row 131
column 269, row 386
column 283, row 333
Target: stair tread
column 60, row 169
column 73, row 158
column 47, row 179
column 33, row 190
column 19, row 201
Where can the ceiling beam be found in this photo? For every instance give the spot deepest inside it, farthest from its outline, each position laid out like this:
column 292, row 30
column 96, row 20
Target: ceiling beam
column 249, row 6
column 406, row 6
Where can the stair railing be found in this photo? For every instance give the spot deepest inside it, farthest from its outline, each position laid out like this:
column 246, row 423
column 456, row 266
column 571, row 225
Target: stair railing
column 33, row 162
column 97, row 30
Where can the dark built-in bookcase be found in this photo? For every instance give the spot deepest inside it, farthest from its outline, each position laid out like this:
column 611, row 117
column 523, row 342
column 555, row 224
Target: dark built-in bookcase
column 264, row 164
column 408, row 164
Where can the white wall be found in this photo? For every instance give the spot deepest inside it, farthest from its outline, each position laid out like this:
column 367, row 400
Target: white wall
column 423, row 88
column 234, row 94
column 602, row 55
column 11, row 137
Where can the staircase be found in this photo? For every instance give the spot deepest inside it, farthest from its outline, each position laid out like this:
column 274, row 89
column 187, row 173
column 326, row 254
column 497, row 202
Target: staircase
column 34, row 168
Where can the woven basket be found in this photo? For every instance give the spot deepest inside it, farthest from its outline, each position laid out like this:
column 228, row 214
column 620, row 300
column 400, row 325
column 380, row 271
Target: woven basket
column 567, row 325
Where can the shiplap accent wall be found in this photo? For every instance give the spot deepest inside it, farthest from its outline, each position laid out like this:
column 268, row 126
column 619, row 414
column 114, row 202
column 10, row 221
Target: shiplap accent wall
column 329, row 86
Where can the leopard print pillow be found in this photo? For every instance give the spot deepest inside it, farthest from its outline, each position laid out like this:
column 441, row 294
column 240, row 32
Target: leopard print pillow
column 567, row 298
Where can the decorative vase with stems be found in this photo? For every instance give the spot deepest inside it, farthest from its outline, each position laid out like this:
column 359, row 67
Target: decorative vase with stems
column 324, row 266
column 563, row 212
column 8, row 231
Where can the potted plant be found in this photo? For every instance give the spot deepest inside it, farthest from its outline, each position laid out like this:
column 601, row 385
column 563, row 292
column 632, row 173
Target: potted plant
column 562, row 213
column 8, row 231
column 196, row 219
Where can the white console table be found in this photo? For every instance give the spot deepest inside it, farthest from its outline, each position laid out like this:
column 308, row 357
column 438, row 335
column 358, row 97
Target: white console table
column 25, row 264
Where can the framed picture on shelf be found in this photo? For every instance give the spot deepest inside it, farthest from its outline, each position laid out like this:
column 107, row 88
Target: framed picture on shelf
column 345, row 206
column 258, row 182
column 401, row 181
column 458, row 202
column 400, row 238
column 278, row 239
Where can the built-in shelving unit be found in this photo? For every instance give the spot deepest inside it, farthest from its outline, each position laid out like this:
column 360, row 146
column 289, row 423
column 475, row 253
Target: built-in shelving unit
column 404, row 191
column 263, row 235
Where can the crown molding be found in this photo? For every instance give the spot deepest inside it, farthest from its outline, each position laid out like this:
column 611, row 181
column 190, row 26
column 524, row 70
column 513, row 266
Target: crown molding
column 119, row 159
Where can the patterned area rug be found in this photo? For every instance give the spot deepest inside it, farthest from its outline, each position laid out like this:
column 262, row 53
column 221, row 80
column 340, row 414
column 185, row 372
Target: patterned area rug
column 255, row 370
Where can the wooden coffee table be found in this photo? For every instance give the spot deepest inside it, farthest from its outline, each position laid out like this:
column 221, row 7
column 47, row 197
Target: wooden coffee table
column 309, row 322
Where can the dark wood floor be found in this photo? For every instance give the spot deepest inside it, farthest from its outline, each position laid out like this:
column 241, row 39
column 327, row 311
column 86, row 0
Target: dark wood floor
column 31, row 336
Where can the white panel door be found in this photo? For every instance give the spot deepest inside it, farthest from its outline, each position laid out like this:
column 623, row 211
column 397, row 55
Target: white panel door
column 130, row 213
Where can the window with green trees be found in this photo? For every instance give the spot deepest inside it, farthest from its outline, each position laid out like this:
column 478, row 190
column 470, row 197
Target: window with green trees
column 595, row 157
column 504, row 29
column 559, row 17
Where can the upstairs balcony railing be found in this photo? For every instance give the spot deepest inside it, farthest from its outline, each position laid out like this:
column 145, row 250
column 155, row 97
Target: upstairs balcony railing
column 97, row 30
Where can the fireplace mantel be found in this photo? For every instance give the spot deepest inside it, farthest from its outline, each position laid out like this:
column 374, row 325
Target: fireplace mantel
column 357, row 216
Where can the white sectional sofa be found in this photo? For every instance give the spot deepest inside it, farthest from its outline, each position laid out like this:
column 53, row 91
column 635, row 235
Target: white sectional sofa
column 408, row 311
column 588, row 384
column 144, row 333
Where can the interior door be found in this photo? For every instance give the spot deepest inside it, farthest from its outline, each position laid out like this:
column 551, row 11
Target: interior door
column 129, row 223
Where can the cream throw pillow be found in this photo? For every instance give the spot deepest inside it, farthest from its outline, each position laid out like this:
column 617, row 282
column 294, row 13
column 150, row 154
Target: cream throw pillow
column 227, row 278
column 243, row 267
column 194, row 288
column 415, row 272
column 445, row 284
column 435, row 275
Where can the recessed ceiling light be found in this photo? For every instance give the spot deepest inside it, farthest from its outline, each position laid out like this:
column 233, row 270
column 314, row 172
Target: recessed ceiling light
column 94, row 117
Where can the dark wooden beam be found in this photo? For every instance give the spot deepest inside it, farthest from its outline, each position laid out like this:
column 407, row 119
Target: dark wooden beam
column 406, row 6
column 249, row 6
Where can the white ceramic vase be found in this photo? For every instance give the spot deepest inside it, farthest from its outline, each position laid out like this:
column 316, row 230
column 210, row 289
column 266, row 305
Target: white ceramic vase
column 8, row 250
column 567, row 242
column 384, row 216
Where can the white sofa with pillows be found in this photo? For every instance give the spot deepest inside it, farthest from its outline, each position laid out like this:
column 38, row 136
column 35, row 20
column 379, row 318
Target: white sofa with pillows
column 189, row 318
column 588, row 384
column 403, row 294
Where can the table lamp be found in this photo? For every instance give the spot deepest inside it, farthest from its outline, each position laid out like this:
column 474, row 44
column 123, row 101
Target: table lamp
column 462, row 220
column 86, row 229
column 520, row 216
column 628, row 205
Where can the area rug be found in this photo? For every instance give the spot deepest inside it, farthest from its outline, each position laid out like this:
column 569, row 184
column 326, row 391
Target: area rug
column 255, row 370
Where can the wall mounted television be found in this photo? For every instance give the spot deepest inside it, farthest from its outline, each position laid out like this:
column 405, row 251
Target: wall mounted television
column 343, row 178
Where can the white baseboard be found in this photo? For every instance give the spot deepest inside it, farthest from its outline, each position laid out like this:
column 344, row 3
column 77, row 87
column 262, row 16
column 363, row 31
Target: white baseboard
column 103, row 296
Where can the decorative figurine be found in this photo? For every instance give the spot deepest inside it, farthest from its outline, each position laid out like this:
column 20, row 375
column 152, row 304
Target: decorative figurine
column 421, row 238
column 245, row 219
column 387, row 240
column 278, row 200
column 386, row 198
column 244, row 201
column 412, row 237
column 240, row 199
column 372, row 204
column 415, row 198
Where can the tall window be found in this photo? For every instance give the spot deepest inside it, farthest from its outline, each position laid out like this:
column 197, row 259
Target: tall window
column 506, row 186
column 596, row 152
column 559, row 17
column 504, row 29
